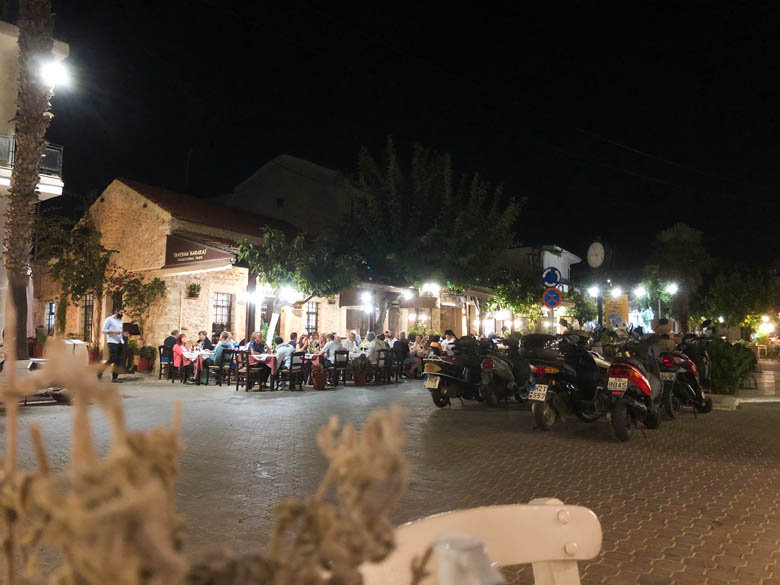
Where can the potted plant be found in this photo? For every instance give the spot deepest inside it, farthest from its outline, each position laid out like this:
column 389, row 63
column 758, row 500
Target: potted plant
column 93, row 352
column 193, row 290
column 146, row 357
column 318, row 377
column 40, row 341
column 361, row 368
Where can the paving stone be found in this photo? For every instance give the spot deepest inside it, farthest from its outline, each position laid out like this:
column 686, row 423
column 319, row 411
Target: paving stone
column 698, row 496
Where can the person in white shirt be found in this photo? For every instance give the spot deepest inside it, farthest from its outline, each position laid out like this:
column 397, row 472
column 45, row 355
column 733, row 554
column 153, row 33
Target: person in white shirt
column 448, row 343
column 356, row 336
column 330, row 349
column 390, row 339
column 112, row 329
column 284, row 352
column 374, row 345
column 350, row 343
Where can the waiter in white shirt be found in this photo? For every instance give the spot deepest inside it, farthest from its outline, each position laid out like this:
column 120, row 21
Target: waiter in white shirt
column 112, row 329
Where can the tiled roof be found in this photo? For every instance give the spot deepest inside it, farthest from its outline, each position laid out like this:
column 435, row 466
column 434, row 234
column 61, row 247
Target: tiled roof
column 206, row 212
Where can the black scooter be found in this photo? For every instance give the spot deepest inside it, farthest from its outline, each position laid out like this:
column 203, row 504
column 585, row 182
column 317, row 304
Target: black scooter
column 569, row 378
column 457, row 377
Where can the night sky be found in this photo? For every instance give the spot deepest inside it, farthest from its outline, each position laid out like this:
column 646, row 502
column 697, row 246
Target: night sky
column 615, row 123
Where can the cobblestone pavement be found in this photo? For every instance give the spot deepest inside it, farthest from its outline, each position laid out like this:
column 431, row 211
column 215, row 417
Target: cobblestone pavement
column 694, row 502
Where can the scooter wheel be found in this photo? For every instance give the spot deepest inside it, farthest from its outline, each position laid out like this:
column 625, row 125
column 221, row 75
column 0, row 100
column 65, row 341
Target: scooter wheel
column 622, row 421
column 438, row 399
column 591, row 413
column 545, row 415
column 671, row 403
column 705, row 407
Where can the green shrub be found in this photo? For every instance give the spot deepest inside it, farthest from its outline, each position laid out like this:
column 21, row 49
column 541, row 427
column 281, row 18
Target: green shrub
column 149, row 352
column 732, row 365
column 40, row 336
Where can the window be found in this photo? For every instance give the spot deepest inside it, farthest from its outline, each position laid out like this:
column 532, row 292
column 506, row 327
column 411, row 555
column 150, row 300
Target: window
column 89, row 310
column 222, row 307
column 312, row 316
column 358, row 320
column 51, row 310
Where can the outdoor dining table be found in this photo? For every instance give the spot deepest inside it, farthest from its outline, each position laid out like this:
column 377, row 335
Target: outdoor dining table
column 196, row 357
column 270, row 360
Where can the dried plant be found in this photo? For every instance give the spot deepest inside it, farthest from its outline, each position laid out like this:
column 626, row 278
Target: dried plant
column 316, row 542
column 113, row 518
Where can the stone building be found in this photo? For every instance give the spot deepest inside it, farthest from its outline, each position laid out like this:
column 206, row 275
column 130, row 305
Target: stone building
column 190, row 241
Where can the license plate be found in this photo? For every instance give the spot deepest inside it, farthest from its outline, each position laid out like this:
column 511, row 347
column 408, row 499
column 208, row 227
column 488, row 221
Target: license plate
column 617, row 384
column 538, row 392
column 668, row 376
column 432, row 381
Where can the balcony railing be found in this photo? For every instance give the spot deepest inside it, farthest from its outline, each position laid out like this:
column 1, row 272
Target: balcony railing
column 51, row 161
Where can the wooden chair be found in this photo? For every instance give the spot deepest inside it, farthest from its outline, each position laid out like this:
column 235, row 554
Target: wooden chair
column 339, row 367
column 398, row 364
column 546, row 533
column 166, row 361
column 294, row 374
column 221, row 369
column 383, row 364
column 247, row 372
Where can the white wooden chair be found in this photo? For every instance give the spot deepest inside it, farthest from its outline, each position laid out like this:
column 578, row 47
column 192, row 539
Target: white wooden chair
column 546, row 533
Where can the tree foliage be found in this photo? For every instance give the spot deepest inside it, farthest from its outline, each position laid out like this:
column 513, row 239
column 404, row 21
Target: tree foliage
column 739, row 296
column 679, row 255
column 81, row 268
column 585, row 309
column 82, row 263
column 315, row 268
column 140, row 297
column 422, row 221
column 519, row 290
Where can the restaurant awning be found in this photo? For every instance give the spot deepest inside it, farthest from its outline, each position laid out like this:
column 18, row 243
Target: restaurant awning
column 419, row 303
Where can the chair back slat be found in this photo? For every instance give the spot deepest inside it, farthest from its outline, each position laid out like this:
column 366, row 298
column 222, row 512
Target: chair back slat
column 341, row 359
column 546, row 533
column 296, row 360
column 166, row 354
column 226, row 357
column 382, row 358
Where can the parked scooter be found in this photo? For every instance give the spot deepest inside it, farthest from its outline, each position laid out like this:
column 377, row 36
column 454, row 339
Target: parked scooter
column 680, row 375
column 569, row 378
column 634, row 387
column 695, row 347
column 457, row 377
column 681, row 384
column 503, row 375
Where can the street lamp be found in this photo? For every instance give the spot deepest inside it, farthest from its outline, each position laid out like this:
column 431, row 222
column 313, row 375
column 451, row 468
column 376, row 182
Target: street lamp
column 53, row 73
column 721, row 319
column 616, row 292
column 288, row 294
column 640, row 291
column 593, row 291
column 672, row 288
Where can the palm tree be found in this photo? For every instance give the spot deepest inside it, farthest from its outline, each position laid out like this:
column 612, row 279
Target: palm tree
column 36, row 26
column 681, row 257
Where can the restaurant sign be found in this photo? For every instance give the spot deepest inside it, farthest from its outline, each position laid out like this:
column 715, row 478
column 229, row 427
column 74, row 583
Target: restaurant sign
column 185, row 252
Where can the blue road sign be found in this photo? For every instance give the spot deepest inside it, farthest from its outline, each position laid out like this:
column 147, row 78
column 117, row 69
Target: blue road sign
column 551, row 297
column 551, row 276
